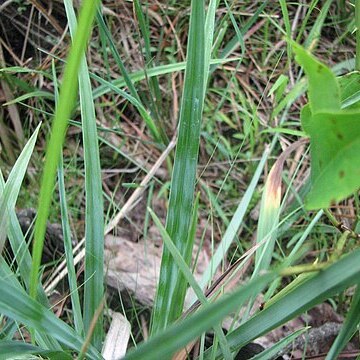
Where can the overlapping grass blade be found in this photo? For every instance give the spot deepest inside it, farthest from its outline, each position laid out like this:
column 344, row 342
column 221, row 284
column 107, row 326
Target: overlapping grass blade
column 74, row 293
column 321, row 286
column 16, row 304
column 172, row 284
column 153, row 83
column 178, row 335
column 19, row 248
column 67, row 98
column 142, row 111
column 12, row 187
column 94, row 218
column 191, row 280
column 126, row 78
column 234, row 224
column 14, row 349
column 314, row 35
column 272, row 351
column 155, row 71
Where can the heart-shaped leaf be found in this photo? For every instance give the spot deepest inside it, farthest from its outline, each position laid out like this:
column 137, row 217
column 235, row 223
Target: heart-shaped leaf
column 334, row 133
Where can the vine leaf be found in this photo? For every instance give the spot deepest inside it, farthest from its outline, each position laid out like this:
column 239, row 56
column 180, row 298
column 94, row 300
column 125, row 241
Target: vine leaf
column 332, row 120
column 324, row 90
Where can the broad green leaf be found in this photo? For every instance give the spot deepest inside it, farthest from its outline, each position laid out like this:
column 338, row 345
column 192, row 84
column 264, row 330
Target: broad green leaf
column 335, row 148
column 16, row 304
column 172, row 285
column 334, row 133
column 323, row 92
column 305, row 117
column 316, row 289
column 94, row 217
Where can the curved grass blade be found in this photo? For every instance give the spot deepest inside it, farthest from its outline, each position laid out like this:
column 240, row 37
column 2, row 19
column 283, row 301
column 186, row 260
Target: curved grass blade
column 20, row 249
column 16, row 304
column 12, row 187
column 94, row 217
column 142, row 111
column 63, row 111
column 172, row 285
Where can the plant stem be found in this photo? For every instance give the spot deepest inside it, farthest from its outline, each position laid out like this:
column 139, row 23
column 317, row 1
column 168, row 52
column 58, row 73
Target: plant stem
column 357, row 24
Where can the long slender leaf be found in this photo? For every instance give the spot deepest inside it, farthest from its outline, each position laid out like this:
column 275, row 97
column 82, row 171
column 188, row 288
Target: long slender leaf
column 190, row 279
column 13, row 184
column 165, row 343
column 316, row 289
column 74, row 293
column 172, row 284
column 14, row 349
column 16, row 304
column 63, row 111
column 234, row 225
column 94, row 218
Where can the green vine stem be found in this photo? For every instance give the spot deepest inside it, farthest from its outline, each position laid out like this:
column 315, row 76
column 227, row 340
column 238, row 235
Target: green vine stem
column 339, row 225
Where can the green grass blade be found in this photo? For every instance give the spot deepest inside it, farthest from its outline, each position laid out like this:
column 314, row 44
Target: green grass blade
column 17, row 349
column 20, row 249
column 74, row 293
column 271, row 352
column 153, row 83
column 155, row 71
column 315, row 32
column 19, row 306
column 190, row 279
column 172, row 284
column 234, row 225
column 349, row 328
column 233, row 43
column 316, row 289
column 162, row 345
column 126, row 78
column 63, row 111
column 268, row 218
column 209, row 38
column 13, row 184
column 94, row 217
column 142, row 111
